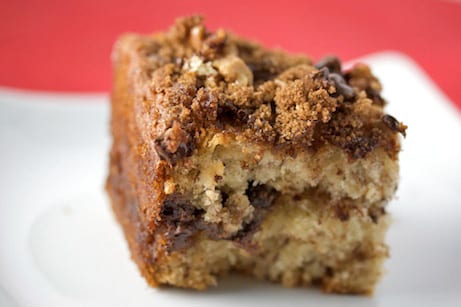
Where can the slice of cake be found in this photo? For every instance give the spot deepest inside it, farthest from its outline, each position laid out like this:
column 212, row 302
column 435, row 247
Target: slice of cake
column 231, row 157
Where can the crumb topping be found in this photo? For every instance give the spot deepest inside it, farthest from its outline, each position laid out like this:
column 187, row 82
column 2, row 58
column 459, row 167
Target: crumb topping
column 202, row 81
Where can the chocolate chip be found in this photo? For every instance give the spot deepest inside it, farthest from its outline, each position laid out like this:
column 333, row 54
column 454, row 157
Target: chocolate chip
column 342, row 213
column 182, row 151
column 181, row 220
column 394, row 124
column 337, row 80
column 360, row 146
column 331, row 62
column 375, row 96
column 174, row 145
column 391, row 122
column 228, row 112
column 224, row 197
column 243, row 238
column 262, row 71
column 261, row 196
column 177, row 209
column 273, row 117
column 322, row 74
column 329, row 271
column 342, row 88
column 161, row 151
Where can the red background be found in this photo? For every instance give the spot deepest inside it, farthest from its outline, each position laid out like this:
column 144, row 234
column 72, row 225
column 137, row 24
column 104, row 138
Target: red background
column 65, row 45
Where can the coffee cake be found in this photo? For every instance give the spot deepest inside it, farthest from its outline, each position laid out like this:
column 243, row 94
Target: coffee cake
column 229, row 157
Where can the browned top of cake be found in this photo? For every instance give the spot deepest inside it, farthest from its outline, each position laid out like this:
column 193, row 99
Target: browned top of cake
column 195, row 82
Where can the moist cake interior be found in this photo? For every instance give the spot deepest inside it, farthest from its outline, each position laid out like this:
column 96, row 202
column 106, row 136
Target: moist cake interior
column 314, row 218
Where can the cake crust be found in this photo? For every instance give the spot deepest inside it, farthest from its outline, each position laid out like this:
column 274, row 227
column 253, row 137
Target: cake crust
column 208, row 128
column 195, row 81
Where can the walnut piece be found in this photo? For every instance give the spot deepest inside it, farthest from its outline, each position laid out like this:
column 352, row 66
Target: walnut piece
column 196, row 64
column 233, row 69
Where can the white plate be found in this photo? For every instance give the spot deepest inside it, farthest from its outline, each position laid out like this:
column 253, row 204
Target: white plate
column 60, row 244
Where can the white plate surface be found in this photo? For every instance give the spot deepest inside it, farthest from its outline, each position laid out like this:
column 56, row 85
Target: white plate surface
column 60, row 244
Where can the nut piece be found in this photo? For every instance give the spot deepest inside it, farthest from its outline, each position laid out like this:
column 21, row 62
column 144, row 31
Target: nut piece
column 169, row 187
column 197, row 35
column 196, row 64
column 232, row 68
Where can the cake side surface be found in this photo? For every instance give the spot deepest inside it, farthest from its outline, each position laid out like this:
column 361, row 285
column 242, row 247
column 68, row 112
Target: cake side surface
column 230, row 157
